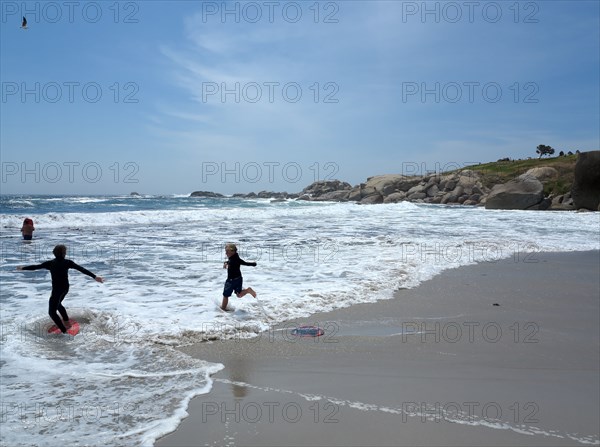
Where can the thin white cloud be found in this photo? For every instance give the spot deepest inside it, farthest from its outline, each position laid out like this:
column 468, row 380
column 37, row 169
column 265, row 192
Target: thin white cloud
column 369, row 54
column 195, row 117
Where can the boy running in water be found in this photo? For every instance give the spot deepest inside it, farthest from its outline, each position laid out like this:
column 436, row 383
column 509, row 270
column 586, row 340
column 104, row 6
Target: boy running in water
column 234, row 275
column 59, row 270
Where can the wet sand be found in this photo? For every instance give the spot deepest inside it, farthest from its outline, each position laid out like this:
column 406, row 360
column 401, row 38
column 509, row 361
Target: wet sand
column 438, row 365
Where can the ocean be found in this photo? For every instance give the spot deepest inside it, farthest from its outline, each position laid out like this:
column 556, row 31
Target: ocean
column 122, row 380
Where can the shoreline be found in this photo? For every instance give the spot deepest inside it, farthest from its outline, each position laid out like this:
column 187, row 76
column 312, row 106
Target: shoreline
column 418, row 369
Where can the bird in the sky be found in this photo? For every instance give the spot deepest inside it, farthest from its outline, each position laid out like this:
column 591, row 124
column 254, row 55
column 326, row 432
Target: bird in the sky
column 24, row 24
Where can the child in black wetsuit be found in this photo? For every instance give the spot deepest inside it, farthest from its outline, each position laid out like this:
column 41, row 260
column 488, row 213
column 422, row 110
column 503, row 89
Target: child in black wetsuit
column 59, row 270
column 234, row 275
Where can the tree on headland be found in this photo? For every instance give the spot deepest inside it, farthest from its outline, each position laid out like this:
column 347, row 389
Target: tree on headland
column 542, row 149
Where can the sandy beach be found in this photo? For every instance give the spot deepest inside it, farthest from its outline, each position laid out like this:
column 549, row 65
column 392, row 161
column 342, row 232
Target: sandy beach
column 440, row 364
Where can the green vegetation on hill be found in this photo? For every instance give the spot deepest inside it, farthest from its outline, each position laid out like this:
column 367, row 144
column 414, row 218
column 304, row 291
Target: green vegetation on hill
column 503, row 171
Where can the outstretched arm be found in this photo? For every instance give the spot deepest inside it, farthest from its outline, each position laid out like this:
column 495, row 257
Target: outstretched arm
column 86, row 272
column 34, row 267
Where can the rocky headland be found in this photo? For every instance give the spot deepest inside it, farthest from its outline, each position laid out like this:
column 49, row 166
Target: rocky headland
column 560, row 183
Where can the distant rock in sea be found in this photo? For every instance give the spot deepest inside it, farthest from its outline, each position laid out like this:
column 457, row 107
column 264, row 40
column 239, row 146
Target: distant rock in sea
column 206, row 194
column 266, row 195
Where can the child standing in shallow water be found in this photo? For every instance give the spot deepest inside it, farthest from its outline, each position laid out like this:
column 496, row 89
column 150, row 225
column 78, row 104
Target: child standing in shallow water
column 59, row 272
column 234, row 275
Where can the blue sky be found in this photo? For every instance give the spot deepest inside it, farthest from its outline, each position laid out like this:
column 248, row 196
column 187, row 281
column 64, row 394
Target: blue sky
column 172, row 97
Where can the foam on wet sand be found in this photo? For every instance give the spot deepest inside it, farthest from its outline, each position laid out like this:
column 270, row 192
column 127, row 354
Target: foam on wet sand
column 439, row 364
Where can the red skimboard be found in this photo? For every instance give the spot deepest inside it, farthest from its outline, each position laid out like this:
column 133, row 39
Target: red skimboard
column 73, row 329
column 308, row 331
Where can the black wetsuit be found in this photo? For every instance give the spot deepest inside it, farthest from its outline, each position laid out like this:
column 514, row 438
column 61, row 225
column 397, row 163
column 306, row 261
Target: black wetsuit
column 59, row 270
column 233, row 269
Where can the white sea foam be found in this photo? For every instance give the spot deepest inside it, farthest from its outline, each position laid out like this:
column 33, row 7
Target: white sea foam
column 431, row 412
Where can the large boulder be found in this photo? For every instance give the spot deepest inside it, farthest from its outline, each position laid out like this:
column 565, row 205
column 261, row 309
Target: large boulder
column 433, row 180
column 586, row 184
column 470, row 182
column 407, row 183
column 448, row 177
column 319, row 188
column 468, row 178
column 542, row 173
column 333, row 196
column 372, row 199
column 479, row 189
column 452, row 196
column 449, row 185
column 390, row 183
column 395, row 197
column 355, row 193
column 367, row 191
column 417, row 189
column 383, row 183
column 432, row 190
column 417, row 196
column 520, row 193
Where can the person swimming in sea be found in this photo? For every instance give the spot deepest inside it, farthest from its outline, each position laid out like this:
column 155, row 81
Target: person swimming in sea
column 27, row 229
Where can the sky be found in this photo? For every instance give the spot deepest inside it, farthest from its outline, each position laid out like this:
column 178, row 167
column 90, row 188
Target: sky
column 158, row 97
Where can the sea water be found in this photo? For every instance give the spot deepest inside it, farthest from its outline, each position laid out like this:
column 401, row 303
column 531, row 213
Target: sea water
column 122, row 381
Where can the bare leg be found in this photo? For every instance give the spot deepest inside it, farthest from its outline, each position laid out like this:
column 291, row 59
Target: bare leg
column 224, row 303
column 246, row 291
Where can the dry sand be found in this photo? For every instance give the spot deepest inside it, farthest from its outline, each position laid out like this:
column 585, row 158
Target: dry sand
column 438, row 365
